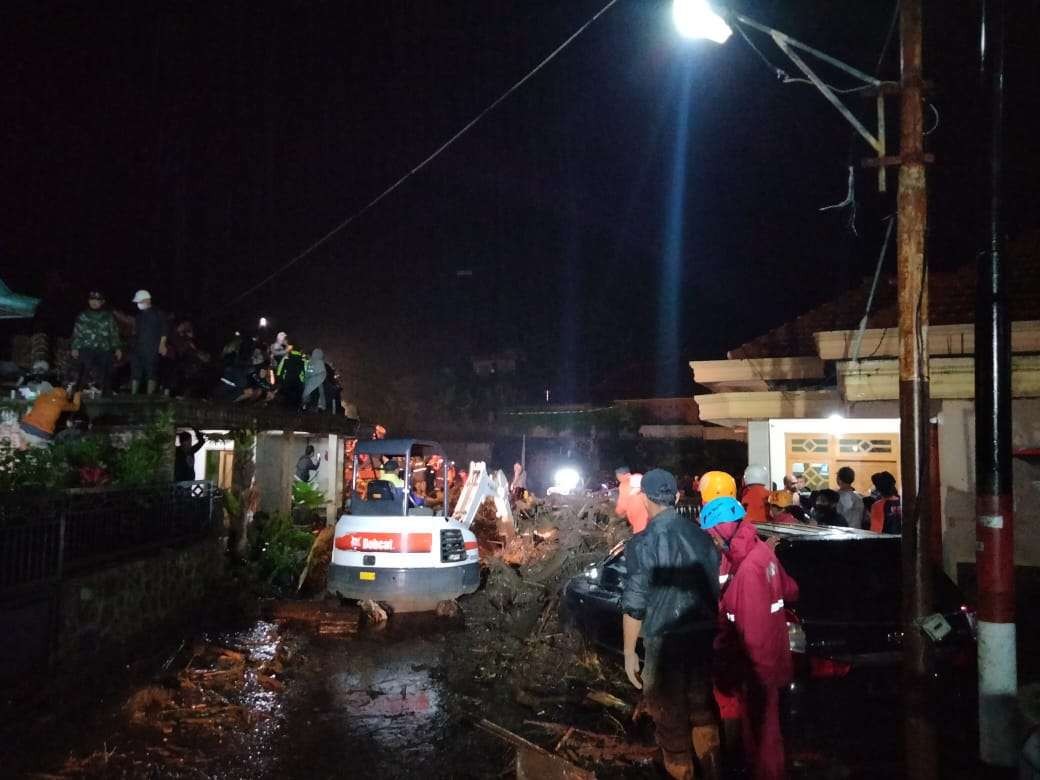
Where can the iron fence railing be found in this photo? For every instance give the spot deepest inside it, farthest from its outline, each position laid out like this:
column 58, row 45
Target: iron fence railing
column 45, row 536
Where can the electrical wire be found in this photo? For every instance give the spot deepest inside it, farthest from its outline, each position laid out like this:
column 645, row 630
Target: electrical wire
column 429, row 159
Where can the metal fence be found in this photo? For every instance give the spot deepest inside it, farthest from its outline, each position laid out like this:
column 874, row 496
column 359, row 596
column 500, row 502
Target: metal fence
column 44, row 537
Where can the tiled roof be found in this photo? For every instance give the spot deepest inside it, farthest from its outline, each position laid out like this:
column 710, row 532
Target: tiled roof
column 951, row 302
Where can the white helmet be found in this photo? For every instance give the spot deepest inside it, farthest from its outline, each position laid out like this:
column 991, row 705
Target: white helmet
column 142, row 295
column 756, row 475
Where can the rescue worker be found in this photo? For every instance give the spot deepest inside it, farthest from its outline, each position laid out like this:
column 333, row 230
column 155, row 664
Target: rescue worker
column 184, row 455
column 754, row 656
column 40, row 421
column 779, row 503
column 825, row 510
column 756, row 495
column 712, row 485
column 307, row 464
column 289, row 377
column 886, row 514
column 850, row 504
column 518, row 486
column 670, row 599
column 95, row 340
column 715, row 484
column 629, row 505
column 149, row 344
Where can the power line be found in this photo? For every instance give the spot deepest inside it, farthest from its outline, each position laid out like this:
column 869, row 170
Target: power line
column 465, row 128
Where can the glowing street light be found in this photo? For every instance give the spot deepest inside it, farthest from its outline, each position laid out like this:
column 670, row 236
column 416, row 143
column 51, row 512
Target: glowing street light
column 263, row 322
column 696, row 19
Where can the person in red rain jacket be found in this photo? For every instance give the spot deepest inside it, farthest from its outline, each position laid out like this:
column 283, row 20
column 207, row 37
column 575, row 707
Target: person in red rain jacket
column 753, row 641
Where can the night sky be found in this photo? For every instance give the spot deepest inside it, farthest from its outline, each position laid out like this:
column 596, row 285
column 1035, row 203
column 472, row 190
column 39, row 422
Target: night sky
column 641, row 202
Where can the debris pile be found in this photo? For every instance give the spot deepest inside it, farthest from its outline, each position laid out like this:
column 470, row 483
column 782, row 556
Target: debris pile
column 563, row 709
column 221, row 694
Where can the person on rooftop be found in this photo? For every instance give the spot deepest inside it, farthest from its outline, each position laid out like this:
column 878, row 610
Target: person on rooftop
column 95, row 341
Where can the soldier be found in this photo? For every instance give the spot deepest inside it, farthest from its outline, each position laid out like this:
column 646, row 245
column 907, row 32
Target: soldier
column 95, row 339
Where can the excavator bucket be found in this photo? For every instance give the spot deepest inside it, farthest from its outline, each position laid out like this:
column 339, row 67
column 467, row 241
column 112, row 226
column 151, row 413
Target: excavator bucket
column 480, row 485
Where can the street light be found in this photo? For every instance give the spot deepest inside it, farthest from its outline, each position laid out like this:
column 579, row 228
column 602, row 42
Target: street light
column 696, row 19
column 263, row 322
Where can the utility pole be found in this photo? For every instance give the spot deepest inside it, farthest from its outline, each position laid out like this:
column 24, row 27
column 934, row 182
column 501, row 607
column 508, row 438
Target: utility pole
column 912, row 209
column 994, row 519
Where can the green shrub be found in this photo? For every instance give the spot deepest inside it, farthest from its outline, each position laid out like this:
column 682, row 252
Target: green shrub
column 307, row 495
column 31, row 469
column 283, row 552
column 145, row 457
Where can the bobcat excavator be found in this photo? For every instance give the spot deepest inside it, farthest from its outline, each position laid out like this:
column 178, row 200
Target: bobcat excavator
column 390, row 547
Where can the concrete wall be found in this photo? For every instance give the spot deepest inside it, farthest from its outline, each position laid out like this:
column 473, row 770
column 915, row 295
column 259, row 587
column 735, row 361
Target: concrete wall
column 957, row 469
column 100, row 612
column 276, row 456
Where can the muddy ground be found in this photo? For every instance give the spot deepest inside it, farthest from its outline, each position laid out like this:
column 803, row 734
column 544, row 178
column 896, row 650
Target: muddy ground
column 312, row 688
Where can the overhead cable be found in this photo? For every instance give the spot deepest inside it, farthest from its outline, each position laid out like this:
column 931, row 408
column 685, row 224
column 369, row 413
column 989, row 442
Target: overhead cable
column 436, row 152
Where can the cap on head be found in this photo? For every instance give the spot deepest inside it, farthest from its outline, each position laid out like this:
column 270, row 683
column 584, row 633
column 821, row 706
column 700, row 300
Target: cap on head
column 659, row 486
column 716, row 484
column 724, row 509
column 142, row 295
column 781, row 498
column 756, row 474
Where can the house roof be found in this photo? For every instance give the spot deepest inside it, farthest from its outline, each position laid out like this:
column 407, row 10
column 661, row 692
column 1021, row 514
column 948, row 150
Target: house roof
column 951, row 301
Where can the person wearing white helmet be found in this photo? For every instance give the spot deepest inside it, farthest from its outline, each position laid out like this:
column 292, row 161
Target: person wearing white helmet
column 149, row 342
column 755, row 495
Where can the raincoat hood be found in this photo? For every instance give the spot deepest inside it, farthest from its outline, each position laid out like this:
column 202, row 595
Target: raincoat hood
column 737, row 545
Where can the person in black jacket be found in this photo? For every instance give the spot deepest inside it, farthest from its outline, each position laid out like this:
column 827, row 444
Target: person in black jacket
column 671, row 600
column 184, row 455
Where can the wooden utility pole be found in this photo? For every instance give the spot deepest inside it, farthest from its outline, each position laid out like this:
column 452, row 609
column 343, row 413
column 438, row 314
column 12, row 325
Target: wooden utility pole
column 994, row 478
column 912, row 209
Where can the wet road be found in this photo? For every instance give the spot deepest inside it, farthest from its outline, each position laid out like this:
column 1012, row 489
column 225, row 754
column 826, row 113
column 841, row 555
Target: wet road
column 396, row 701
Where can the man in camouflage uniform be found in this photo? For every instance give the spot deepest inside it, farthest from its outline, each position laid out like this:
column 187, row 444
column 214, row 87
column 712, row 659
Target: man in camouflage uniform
column 95, row 340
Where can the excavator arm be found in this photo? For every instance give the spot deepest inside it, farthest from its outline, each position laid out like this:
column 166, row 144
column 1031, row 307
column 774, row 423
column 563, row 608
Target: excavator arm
column 480, row 485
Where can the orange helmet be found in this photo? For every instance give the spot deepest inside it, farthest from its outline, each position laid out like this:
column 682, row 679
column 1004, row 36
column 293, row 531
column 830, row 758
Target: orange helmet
column 781, row 498
column 715, row 484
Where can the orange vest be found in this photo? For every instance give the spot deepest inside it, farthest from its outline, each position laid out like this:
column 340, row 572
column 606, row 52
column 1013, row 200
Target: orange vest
column 756, row 503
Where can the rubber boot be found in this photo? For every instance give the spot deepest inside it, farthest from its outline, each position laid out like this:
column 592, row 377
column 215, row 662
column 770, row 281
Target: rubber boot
column 135, row 387
column 153, row 385
column 679, row 766
column 708, row 750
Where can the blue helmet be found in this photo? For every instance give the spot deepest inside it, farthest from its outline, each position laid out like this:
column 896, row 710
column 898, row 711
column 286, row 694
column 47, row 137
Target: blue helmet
column 722, row 510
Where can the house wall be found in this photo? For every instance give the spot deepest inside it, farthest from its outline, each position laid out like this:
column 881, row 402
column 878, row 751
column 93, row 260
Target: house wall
column 957, row 469
column 758, row 445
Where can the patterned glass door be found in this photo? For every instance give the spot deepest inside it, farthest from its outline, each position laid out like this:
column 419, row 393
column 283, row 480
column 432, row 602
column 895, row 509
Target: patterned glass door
column 816, row 457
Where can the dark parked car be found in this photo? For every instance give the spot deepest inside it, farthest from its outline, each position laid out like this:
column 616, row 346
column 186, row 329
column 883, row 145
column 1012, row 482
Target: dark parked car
column 843, row 709
column 847, row 616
